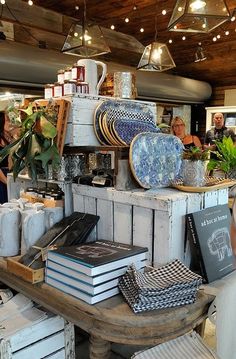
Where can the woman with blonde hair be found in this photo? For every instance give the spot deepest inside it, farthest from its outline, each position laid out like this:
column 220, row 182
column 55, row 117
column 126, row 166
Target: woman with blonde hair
column 178, row 129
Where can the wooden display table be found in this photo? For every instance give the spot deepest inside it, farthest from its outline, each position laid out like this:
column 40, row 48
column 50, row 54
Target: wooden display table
column 112, row 320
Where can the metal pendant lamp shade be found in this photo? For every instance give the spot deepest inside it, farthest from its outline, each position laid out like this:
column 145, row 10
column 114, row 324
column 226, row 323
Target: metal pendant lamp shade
column 156, row 57
column 86, row 40
column 198, row 15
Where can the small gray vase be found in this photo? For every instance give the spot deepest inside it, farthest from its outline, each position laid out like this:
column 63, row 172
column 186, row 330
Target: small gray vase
column 194, row 173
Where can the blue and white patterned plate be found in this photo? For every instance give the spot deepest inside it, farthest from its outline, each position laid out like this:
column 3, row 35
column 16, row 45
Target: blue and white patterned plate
column 155, row 159
column 98, row 132
column 126, row 130
column 132, row 110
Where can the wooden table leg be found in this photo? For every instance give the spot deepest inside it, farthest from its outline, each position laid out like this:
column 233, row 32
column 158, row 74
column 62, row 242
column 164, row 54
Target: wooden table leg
column 200, row 329
column 99, row 348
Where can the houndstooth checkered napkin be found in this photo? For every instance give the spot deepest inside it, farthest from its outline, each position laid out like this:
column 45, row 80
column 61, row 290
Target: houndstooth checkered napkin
column 164, row 287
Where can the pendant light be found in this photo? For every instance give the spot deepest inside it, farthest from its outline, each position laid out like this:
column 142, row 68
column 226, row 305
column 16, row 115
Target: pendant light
column 86, row 40
column 156, row 56
column 198, row 15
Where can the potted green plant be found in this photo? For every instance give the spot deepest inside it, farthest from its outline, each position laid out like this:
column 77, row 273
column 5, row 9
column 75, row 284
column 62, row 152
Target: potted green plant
column 224, row 157
column 194, row 166
column 35, row 148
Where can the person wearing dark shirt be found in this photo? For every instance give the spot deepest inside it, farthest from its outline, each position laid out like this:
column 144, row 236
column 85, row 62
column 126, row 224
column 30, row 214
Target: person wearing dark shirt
column 218, row 132
column 178, row 129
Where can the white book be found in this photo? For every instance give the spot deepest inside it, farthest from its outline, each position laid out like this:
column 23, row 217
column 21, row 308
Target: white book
column 85, row 287
column 101, row 278
column 90, row 299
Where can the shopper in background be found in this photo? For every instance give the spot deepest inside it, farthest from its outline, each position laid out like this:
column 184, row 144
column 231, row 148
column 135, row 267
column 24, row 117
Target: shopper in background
column 218, row 132
column 4, row 140
column 178, row 129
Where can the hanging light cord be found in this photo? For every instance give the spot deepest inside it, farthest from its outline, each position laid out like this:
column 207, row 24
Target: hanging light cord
column 155, row 38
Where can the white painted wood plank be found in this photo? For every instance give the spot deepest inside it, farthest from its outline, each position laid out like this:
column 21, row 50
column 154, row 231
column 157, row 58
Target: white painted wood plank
column 58, row 355
column 122, row 223
column 143, row 229
column 36, row 332
column 78, row 203
column 105, row 223
column 210, row 199
column 179, row 210
column 81, row 135
column 90, row 205
column 135, row 197
column 42, row 348
column 223, row 196
column 161, row 246
column 69, row 340
column 194, row 204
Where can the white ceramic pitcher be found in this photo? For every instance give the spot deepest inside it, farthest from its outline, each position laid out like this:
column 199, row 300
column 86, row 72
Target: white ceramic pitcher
column 33, row 227
column 52, row 216
column 91, row 74
column 9, row 232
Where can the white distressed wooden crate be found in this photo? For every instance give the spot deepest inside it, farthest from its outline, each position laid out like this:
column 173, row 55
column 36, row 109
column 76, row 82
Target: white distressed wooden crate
column 80, row 130
column 52, row 338
column 154, row 218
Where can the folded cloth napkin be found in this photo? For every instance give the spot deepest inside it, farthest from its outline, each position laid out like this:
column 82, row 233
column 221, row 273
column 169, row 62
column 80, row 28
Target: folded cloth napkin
column 188, row 346
column 167, row 286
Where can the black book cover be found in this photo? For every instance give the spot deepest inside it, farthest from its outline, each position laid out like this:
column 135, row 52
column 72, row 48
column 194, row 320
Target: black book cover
column 208, row 232
column 99, row 254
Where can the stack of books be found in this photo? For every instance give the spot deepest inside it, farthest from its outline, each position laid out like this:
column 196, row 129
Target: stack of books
column 91, row 271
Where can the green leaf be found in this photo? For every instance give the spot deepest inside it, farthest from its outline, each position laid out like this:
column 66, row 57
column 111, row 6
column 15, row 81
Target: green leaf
column 226, row 155
column 28, row 110
column 34, row 147
column 50, row 155
column 29, row 122
column 47, row 129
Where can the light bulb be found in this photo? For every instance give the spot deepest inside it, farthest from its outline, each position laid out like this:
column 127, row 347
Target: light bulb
column 3, row 2
column 170, row 41
column 30, row 2
column 163, row 12
column 226, row 33
column 214, row 38
column 126, row 19
column 86, row 36
column 197, row 5
column 142, row 29
column 112, row 27
column 156, row 54
column 184, row 38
